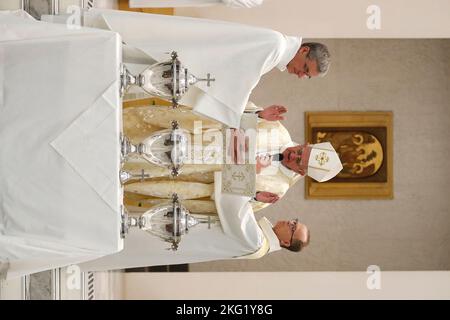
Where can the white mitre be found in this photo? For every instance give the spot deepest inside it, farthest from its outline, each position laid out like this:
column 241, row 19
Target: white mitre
column 324, row 162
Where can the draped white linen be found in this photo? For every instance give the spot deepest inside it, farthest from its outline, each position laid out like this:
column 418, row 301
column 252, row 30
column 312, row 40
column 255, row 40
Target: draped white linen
column 60, row 120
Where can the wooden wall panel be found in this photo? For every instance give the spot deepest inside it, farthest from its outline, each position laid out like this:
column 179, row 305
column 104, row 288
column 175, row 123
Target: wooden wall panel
column 123, row 5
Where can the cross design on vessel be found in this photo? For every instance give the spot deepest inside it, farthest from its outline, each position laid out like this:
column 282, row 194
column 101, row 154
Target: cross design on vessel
column 208, row 79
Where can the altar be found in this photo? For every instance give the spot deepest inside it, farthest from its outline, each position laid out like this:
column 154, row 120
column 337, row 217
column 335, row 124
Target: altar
column 61, row 194
column 60, row 124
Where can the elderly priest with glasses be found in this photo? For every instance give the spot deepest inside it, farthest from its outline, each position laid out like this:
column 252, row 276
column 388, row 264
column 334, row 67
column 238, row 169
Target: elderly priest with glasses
column 237, row 235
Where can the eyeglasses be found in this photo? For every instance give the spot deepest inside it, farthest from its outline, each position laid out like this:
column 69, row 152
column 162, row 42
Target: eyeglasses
column 306, row 70
column 293, row 223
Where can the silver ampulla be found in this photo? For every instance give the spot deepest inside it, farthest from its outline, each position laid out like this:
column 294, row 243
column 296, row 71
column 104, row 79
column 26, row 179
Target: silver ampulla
column 166, row 148
column 168, row 222
column 169, row 80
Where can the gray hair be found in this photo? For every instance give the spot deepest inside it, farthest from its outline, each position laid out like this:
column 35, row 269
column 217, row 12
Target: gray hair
column 320, row 53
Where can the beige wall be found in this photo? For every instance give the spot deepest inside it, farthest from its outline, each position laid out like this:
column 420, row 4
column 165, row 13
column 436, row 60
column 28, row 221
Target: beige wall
column 411, row 232
column 273, row 286
column 339, row 19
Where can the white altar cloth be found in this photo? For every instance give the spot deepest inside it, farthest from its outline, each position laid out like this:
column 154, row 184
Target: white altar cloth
column 60, row 121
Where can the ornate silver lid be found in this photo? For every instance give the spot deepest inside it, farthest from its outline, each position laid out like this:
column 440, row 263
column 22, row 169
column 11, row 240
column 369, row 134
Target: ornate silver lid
column 166, row 148
column 169, row 80
column 168, row 222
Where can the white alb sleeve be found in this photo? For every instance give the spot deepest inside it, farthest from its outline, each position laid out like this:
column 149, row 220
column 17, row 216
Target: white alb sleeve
column 236, row 216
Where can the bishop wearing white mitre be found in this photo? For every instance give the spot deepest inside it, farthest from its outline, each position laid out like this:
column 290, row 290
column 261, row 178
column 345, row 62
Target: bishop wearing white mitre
column 194, row 3
column 237, row 234
column 280, row 162
column 235, row 55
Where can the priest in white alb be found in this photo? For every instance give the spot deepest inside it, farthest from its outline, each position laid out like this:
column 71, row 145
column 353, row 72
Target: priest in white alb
column 235, row 55
column 237, row 235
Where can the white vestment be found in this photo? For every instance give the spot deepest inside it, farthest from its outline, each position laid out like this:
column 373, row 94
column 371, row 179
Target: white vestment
column 238, row 235
column 193, row 3
column 140, row 122
column 235, row 55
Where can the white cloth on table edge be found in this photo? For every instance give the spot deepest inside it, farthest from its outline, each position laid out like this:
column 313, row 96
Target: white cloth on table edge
column 77, row 149
column 238, row 235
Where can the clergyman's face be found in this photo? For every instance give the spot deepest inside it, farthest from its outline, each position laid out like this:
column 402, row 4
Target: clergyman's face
column 303, row 66
column 296, row 158
column 287, row 230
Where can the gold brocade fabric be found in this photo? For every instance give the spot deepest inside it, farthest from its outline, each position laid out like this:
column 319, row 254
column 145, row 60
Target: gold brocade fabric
column 195, row 184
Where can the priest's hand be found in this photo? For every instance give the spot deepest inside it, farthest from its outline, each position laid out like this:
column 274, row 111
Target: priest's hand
column 263, row 161
column 238, row 146
column 266, row 197
column 272, row 113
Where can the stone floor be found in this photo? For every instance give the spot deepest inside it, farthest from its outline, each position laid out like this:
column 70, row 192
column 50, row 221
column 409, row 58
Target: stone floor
column 64, row 284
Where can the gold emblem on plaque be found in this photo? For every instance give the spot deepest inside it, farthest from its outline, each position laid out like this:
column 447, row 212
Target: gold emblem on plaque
column 322, row 158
